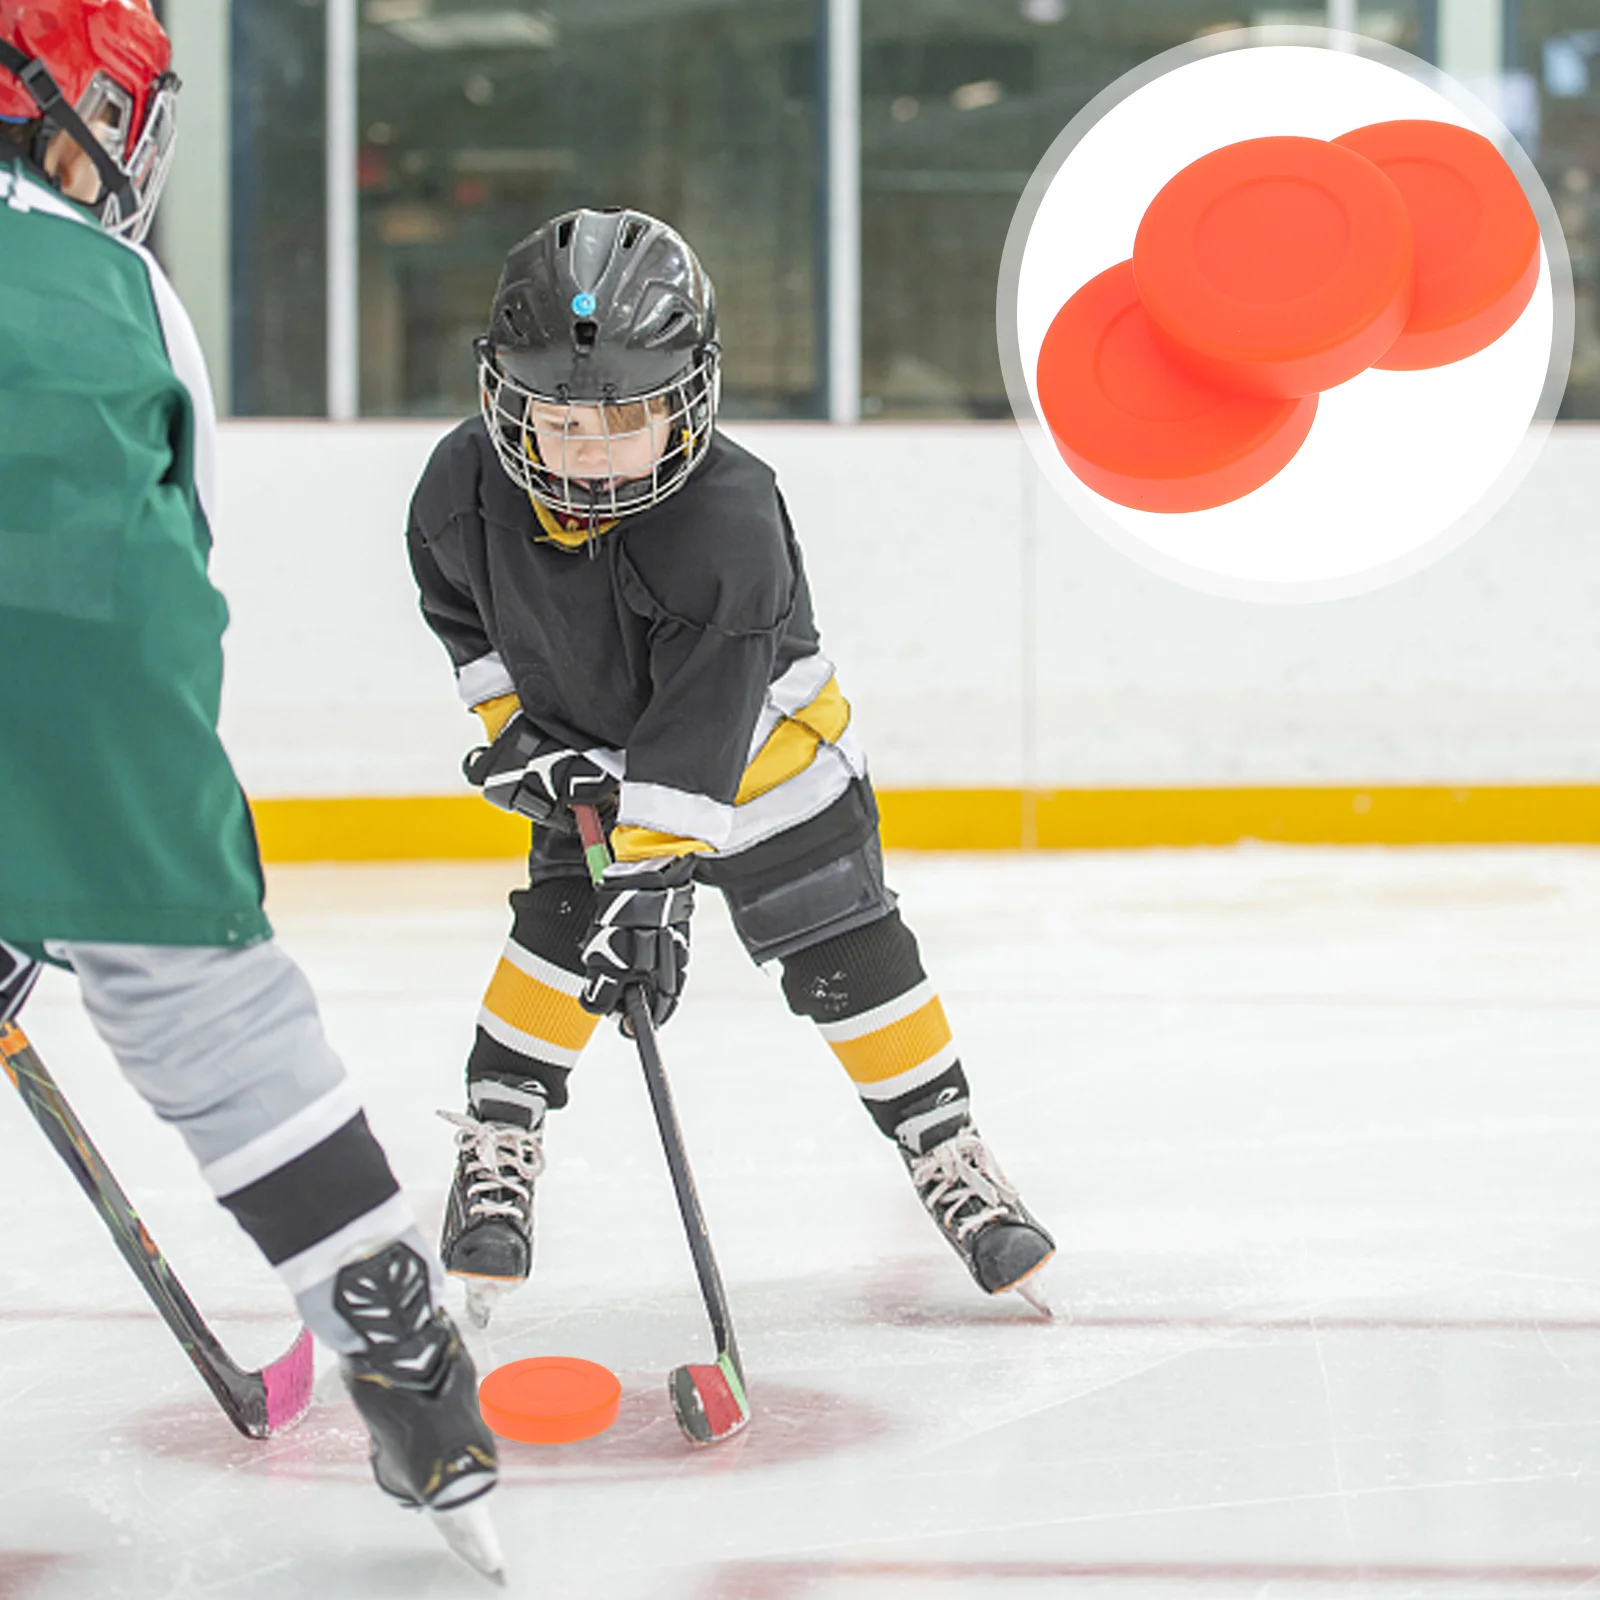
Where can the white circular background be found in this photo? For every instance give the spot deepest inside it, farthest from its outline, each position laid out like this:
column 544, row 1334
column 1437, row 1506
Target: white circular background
column 1400, row 467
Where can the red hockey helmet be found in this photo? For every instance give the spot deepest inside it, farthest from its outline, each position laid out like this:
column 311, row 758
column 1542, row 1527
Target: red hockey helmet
column 99, row 70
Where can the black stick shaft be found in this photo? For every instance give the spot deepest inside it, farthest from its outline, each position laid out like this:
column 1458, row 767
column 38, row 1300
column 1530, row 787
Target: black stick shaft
column 643, row 1028
column 43, row 1097
column 694, row 1221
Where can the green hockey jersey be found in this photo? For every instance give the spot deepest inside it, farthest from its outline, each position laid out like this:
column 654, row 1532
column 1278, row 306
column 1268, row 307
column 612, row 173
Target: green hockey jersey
column 120, row 816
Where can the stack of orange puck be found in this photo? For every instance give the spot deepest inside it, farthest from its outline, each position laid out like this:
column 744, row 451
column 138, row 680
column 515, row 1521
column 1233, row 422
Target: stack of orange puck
column 1265, row 273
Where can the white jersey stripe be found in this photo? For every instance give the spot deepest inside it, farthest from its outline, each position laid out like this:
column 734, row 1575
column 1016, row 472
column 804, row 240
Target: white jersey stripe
column 801, row 684
column 484, row 679
column 730, row 829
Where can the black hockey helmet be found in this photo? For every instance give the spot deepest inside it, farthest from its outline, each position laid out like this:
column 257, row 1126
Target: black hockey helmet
column 608, row 310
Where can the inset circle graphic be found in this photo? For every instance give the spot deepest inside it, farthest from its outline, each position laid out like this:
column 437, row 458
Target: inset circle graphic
column 1455, row 378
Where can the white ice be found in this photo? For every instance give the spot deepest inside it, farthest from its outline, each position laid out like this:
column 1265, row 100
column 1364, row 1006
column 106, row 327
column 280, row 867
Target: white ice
column 1317, row 1131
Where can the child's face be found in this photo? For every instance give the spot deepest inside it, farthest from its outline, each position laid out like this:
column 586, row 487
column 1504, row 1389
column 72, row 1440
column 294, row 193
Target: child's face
column 600, row 445
column 76, row 175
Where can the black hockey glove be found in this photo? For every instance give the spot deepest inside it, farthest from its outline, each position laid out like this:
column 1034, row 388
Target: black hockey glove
column 640, row 934
column 527, row 771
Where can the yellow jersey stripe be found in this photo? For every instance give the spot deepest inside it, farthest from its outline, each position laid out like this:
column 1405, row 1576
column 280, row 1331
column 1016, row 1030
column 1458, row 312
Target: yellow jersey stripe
column 789, row 750
column 497, row 713
column 896, row 1048
column 534, row 1008
column 629, row 843
column 828, row 715
column 791, row 747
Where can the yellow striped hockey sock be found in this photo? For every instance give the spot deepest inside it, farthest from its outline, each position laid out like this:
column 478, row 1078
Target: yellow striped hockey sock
column 871, row 1001
column 531, row 1029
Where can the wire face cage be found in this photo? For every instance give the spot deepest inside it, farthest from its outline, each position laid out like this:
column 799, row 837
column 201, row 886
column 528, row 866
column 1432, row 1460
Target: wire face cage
column 151, row 160
column 592, row 459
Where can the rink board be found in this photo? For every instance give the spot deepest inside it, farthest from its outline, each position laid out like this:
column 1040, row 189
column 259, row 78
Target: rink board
column 463, row 828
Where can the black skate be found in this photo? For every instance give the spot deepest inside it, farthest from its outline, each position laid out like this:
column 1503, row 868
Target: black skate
column 977, row 1208
column 416, row 1390
column 487, row 1238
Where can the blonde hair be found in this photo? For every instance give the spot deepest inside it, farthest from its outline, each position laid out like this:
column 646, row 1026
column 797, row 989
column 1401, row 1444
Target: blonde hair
column 634, row 416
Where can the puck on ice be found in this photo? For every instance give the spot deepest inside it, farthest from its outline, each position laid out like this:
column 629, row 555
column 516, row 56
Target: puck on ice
column 1138, row 429
column 1278, row 266
column 550, row 1399
column 1476, row 237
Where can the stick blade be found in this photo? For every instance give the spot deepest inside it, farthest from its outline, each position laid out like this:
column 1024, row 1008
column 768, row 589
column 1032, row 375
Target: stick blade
column 709, row 1403
column 288, row 1383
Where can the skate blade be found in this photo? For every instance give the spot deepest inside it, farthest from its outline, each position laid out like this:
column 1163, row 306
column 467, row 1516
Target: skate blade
column 483, row 1295
column 469, row 1531
column 1032, row 1289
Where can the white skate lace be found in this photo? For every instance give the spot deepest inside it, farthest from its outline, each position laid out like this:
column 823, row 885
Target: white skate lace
column 956, row 1172
column 501, row 1159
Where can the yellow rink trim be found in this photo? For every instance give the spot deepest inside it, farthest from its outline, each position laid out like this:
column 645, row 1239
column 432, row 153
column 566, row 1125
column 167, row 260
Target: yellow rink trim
column 536, row 1009
column 897, row 1047
column 465, row 828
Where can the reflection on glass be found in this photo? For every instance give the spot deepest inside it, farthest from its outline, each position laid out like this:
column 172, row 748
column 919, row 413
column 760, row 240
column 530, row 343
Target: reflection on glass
column 1554, row 46
column 960, row 99
column 478, row 122
column 278, row 225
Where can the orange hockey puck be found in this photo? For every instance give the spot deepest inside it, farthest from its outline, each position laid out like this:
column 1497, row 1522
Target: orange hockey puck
column 1476, row 237
column 1277, row 267
column 550, row 1399
column 1138, row 429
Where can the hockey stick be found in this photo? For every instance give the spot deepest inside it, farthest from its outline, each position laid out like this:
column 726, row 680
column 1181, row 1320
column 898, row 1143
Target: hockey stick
column 258, row 1404
column 709, row 1401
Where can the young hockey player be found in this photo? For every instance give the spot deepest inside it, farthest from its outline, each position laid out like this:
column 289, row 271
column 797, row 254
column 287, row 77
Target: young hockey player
column 623, row 600
column 126, row 848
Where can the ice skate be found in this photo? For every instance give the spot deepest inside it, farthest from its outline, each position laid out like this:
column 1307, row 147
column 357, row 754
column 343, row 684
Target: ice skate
column 416, row 1390
column 487, row 1239
column 976, row 1207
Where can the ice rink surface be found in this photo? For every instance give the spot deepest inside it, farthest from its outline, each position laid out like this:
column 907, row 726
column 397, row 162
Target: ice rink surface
column 1318, row 1132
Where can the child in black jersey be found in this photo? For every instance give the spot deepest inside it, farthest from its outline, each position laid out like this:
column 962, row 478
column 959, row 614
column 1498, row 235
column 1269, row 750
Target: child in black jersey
column 623, row 600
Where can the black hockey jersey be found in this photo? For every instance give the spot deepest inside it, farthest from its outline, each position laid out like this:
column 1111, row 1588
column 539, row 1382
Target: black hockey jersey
column 678, row 646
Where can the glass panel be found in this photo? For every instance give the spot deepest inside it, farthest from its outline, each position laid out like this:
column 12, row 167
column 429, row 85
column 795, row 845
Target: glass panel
column 279, row 293
column 1555, row 44
column 479, row 122
column 1408, row 24
column 960, row 98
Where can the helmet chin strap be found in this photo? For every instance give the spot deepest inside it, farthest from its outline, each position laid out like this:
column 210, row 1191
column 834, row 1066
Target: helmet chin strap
column 60, row 116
